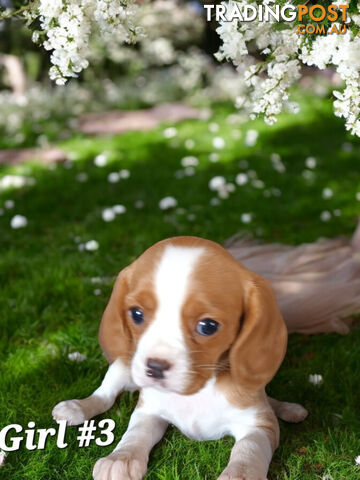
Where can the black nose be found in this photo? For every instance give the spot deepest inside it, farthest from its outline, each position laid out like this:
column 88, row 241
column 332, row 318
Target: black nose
column 156, row 367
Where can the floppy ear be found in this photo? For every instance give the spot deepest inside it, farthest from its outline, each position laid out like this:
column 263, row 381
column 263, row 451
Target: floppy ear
column 260, row 346
column 114, row 333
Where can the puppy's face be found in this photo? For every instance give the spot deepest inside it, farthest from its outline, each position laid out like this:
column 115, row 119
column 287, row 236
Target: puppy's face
column 182, row 309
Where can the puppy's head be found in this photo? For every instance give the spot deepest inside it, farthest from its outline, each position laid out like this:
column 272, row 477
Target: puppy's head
column 185, row 311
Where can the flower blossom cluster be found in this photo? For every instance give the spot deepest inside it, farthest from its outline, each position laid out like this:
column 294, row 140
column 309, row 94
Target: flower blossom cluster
column 283, row 52
column 67, row 25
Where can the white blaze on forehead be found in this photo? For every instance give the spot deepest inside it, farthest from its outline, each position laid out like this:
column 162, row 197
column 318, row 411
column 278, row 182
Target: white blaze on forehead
column 164, row 338
column 172, row 277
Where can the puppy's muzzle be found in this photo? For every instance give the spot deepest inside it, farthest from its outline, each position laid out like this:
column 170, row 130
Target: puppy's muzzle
column 156, row 368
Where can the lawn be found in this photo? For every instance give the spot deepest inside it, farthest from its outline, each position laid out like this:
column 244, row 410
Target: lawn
column 53, row 291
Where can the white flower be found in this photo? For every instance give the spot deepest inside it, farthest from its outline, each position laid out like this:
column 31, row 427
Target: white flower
column 167, row 202
column 18, row 221
column 113, row 177
column 91, row 245
column 97, row 291
column 316, row 379
column 219, row 143
column 100, row 160
column 357, row 460
column 77, row 357
column 251, row 137
column 119, row 209
column 217, row 182
column 241, row 179
column 189, row 171
column 108, row 215
column 189, row 161
column 246, row 217
column 170, row 132
column 310, row 162
column 327, row 193
column 325, row 216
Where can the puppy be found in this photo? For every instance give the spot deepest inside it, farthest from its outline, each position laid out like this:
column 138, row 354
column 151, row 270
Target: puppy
column 200, row 336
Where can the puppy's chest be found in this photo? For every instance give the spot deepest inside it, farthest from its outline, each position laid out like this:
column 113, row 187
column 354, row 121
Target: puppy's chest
column 205, row 415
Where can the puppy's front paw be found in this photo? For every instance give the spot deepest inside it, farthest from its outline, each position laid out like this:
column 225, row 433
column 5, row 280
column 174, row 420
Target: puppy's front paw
column 237, row 471
column 120, row 465
column 71, row 411
column 292, row 412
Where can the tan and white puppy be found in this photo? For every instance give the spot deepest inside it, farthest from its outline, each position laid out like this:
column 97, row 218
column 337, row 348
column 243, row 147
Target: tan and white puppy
column 200, row 336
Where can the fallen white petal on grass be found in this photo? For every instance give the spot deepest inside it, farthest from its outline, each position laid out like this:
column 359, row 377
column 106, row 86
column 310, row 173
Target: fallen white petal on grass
column 9, row 204
column 327, row 193
column 315, row 379
column 217, row 182
column 310, row 162
column 124, row 173
column 251, row 138
column 77, row 357
column 214, row 157
column 189, row 171
column 218, row 143
column 167, row 202
column 170, row 132
column 18, row 221
column 91, row 245
column 100, row 160
column 325, row 216
column 15, row 181
column 113, row 177
column 189, row 161
column 357, row 460
column 119, row 209
column 108, row 215
column 246, row 217
column 2, row 458
column 241, row 179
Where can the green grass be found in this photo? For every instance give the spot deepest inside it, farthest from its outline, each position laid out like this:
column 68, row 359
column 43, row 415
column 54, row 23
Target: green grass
column 48, row 307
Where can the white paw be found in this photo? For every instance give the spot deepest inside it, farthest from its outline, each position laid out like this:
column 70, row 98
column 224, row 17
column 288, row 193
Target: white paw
column 292, row 412
column 241, row 472
column 120, row 465
column 71, row 411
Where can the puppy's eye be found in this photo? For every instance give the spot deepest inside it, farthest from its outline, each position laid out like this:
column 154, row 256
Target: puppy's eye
column 207, row 327
column 137, row 315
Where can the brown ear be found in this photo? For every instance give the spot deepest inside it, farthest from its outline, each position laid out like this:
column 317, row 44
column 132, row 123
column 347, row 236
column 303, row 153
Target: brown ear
column 114, row 334
column 259, row 349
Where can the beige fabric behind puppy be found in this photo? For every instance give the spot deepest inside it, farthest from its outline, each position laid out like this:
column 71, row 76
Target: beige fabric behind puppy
column 317, row 285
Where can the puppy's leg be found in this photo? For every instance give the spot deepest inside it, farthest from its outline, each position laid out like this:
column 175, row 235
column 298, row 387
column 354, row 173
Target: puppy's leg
column 75, row 412
column 130, row 458
column 251, row 455
column 289, row 412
